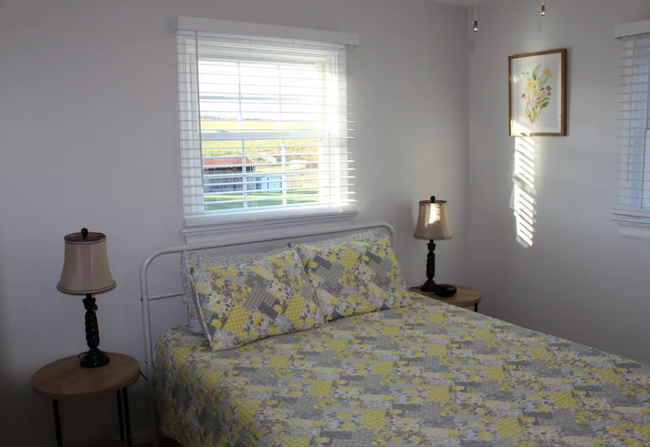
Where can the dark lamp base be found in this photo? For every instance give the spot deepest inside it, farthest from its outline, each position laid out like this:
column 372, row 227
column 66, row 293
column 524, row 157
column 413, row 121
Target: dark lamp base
column 94, row 359
column 441, row 290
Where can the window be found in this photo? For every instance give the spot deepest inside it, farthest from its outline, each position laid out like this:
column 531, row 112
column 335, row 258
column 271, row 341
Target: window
column 263, row 126
column 633, row 204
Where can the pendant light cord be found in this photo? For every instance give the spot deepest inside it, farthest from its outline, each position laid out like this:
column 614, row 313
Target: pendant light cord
column 475, row 24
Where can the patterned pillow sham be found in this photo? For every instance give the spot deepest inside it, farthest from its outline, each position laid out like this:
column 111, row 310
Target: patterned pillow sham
column 242, row 303
column 190, row 259
column 354, row 277
column 370, row 235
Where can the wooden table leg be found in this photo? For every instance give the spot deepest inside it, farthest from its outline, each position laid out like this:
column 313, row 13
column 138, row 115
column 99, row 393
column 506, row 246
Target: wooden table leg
column 57, row 423
column 127, row 419
column 120, row 414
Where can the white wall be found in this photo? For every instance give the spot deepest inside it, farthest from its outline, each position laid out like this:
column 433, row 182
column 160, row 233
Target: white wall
column 88, row 138
column 580, row 280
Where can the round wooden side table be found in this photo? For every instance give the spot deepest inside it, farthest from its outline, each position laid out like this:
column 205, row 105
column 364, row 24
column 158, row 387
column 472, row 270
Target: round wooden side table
column 65, row 379
column 465, row 297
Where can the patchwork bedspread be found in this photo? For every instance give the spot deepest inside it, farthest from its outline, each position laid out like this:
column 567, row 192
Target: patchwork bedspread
column 426, row 375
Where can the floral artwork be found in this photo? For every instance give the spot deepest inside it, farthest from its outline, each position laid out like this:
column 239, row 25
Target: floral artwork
column 537, row 94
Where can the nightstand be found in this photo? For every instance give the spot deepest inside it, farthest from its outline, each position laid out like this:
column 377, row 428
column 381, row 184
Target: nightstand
column 65, row 379
column 465, row 297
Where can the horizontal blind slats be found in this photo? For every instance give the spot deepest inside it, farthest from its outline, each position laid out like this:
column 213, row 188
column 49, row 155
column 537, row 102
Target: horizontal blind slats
column 291, row 206
column 260, row 174
column 264, row 123
column 632, row 166
column 288, row 181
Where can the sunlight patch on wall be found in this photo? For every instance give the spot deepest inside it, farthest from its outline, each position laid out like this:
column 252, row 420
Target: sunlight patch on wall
column 524, row 193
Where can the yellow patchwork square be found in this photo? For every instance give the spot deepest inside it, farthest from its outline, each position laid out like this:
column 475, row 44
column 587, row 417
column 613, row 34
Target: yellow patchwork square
column 540, row 353
column 337, row 345
column 494, row 373
column 508, row 428
column 320, row 388
column 236, row 321
column 437, row 393
column 482, row 334
column 279, row 361
column 373, row 419
column 390, row 330
column 246, row 409
column 210, row 376
column 295, row 309
column 349, row 258
column 382, row 367
column 605, row 375
column 563, row 400
column 438, row 350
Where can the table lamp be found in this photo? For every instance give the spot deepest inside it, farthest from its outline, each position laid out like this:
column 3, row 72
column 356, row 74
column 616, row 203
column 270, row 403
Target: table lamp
column 433, row 225
column 86, row 272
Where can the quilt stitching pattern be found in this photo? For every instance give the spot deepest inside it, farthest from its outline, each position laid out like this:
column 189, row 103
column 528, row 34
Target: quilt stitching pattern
column 394, row 378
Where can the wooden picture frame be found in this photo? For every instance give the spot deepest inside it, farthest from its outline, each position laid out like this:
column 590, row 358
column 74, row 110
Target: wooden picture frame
column 537, row 94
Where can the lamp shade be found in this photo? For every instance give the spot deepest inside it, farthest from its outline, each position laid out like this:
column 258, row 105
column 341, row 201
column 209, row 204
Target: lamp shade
column 433, row 221
column 85, row 268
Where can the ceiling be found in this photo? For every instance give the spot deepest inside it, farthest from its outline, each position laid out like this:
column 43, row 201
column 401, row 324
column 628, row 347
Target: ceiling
column 463, row 2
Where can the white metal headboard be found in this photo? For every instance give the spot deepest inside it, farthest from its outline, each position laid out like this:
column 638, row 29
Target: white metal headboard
column 145, row 298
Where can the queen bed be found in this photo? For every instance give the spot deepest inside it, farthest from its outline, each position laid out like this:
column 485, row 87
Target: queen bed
column 427, row 374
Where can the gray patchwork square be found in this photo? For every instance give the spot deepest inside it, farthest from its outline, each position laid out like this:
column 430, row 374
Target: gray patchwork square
column 384, row 267
column 372, row 258
column 358, row 438
column 268, row 310
column 303, row 405
column 333, row 287
column 337, row 435
column 322, row 262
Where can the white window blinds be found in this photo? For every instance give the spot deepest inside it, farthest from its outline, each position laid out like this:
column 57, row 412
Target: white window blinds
column 263, row 124
column 633, row 137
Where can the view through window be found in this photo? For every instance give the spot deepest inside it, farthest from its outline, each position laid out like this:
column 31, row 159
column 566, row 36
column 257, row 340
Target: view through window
column 263, row 124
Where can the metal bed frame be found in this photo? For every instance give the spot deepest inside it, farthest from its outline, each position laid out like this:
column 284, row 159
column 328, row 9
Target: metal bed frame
column 145, row 297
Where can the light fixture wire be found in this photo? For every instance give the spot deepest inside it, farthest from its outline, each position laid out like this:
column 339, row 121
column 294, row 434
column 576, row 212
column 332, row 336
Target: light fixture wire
column 475, row 25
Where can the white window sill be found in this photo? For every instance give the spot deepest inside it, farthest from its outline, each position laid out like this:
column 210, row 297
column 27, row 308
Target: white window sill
column 632, row 228
column 208, row 228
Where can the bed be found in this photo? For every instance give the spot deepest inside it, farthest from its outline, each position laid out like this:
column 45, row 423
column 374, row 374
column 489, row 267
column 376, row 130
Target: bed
column 425, row 375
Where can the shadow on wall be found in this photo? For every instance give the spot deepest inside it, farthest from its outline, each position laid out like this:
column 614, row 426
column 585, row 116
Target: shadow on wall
column 13, row 403
column 7, row 388
column 524, row 194
column 4, row 341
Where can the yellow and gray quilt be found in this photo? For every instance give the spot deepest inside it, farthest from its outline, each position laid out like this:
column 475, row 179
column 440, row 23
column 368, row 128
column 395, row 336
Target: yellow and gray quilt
column 425, row 375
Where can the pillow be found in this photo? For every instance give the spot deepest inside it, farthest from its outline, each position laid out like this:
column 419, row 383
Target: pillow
column 354, row 277
column 370, row 235
column 191, row 259
column 241, row 303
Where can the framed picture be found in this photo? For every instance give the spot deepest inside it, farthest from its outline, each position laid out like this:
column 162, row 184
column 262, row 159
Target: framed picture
column 538, row 94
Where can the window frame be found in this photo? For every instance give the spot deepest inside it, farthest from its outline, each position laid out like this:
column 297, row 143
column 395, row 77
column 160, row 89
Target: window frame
column 633, row 218
column 260, row 217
